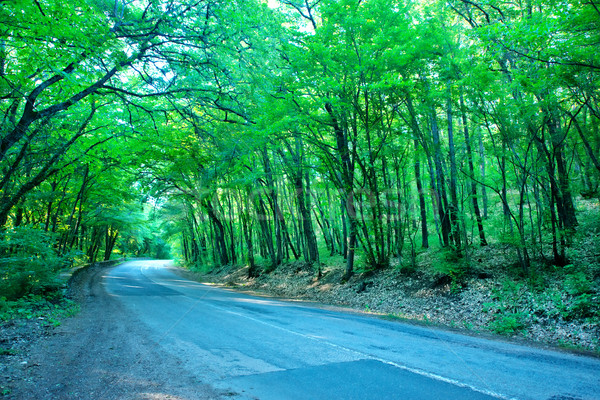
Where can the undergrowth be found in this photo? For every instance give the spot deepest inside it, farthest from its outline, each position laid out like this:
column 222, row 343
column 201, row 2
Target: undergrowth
column 50, row 309
column 29, row 263
column 515, row 305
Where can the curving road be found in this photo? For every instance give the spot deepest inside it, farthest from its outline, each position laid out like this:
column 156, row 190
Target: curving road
column 259, row 348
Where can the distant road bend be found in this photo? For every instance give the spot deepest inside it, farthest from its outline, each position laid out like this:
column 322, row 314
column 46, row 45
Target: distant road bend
column 259, row 348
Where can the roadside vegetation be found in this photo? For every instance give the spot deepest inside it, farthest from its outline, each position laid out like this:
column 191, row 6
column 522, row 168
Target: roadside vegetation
column 450, row 147
column 49, row 309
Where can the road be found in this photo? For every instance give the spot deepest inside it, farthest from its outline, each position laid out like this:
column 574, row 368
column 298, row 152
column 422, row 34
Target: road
column 260, row 348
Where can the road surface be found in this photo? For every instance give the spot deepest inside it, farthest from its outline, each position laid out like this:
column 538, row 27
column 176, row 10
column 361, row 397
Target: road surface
column 260, row 348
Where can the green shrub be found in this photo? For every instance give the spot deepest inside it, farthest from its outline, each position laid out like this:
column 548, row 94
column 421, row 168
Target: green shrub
column 454, row 267
column 50, row 308
column 508, row 323
column 577, row 282
column 582, row 306
column 509, row 308
column 28, row 262
column 583, row 301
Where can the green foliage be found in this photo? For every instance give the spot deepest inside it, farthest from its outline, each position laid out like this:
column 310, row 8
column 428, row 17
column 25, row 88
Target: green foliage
column 407, row 267
column 517, row 304
column 7, row 352
column 160, row 249
column 50, row 308
column 583, row 299
column 511, row 239
column 452, row 267
column 577, row 281
column 583, row 306
column 29, row 263
column 509, row 314
column 508, row 323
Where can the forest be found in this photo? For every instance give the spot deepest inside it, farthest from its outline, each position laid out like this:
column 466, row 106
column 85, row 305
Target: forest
column 258, row 133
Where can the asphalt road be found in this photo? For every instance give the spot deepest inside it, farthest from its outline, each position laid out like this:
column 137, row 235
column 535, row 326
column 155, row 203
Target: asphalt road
column 259, row 348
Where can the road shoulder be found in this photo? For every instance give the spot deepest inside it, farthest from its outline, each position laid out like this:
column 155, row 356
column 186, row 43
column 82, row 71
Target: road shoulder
column 101, row 353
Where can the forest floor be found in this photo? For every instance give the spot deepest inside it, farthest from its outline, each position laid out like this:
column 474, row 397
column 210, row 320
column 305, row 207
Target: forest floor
column 537, row 309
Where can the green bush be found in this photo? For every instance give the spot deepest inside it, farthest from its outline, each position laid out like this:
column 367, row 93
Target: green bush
column 508, row 323
column 453, row 267
column 583, row 306
column 50, row 308
column 28, row 262
column 573, row 297
column 161, row 249
column 577, row 282
column 509, row 308
column 581, row 288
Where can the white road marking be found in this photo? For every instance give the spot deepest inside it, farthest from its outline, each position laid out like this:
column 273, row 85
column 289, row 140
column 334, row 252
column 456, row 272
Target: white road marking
column 372, row 357
column 326, row 342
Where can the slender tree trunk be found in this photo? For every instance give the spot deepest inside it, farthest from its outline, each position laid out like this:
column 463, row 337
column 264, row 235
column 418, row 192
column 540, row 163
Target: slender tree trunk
column 586, row 144
column 390, row 214
column 221, row 245
column 244, row 212
column 72, row 231
column 53, row 186
column 194, row 229
column 473, row 184
column 111, row 239
column 325, row 226
column 232, row 241
column 268, row 250
column 398, row 227
column 505, row 208
column 273, row 200
column 348, row 194
column 455, row 230
column 566, row 199
column 441, row 180
column 434, row 195
column 338, row 228
column 344, row 228
column 422, row 207
column 556, row 206
column 484, row 196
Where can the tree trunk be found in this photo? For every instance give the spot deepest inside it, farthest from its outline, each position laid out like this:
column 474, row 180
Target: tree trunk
column 441, row 180
column 484, row 196
column 111, row 239
column 453, row 211
column 473, row 184
column 244, row 212
column 271, row 192
column 422, row 206
column 72, row 231
column 223, row 257
column 347, row 192
column 267, row 235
